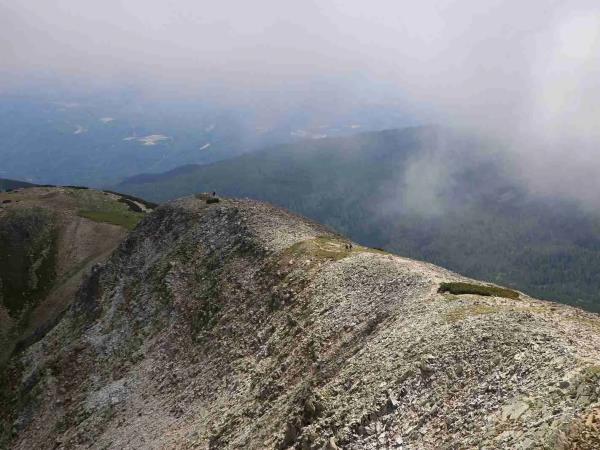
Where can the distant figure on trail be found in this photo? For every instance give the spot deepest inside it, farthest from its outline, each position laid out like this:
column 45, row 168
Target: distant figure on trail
column 348, row 245
column 212, row 198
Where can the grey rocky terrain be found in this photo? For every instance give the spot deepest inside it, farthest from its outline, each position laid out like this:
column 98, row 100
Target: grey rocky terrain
column 239, row 325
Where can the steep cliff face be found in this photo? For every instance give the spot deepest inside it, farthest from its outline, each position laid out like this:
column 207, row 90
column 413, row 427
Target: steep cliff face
column 238, row 325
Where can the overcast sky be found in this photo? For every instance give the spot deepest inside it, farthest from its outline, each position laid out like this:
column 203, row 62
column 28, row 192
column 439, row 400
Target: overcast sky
column 525, row 70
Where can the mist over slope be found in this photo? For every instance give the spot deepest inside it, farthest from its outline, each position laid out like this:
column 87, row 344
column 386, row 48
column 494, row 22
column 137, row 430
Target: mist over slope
column 424, row 192
column 238, row 325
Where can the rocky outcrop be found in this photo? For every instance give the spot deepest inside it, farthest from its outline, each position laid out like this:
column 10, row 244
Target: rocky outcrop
column 238, row 325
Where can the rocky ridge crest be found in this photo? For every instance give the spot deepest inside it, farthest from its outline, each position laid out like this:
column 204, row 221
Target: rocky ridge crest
column 239, row 325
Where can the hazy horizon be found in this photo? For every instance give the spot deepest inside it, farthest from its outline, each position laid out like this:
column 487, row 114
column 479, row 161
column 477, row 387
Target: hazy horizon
column 522, row 73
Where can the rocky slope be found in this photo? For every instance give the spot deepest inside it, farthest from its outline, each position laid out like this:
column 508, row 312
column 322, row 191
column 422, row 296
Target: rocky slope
column 49, row 238
column 239, row 325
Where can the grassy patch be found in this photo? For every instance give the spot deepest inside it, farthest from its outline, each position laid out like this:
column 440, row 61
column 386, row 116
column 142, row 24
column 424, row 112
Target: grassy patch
column 123, row 219
column 591, row 372
column 322, row 247
column 460, row 288
column 99, row 207
column 459, row 314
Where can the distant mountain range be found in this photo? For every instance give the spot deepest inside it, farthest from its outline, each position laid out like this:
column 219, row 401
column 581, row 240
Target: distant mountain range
column 98, row 138
column 424, row 192
column 6, row 184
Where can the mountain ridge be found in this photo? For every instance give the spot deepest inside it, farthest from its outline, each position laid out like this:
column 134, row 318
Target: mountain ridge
column 424, row 192
column 338, row 141
column 9, row 184
column 235, row 324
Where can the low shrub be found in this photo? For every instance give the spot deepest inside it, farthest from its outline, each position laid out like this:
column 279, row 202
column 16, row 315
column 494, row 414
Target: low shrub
column 461, row 288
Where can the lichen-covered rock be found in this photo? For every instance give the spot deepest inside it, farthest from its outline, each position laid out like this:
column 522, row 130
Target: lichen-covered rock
column 239, row 325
